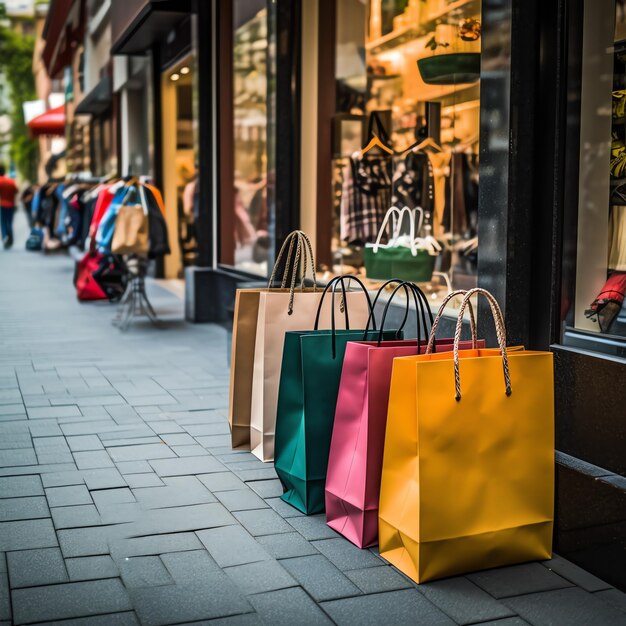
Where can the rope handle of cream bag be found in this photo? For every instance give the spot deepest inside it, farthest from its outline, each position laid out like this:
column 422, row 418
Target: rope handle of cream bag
column 496, row 313
column 299, row 241
column 439, row 316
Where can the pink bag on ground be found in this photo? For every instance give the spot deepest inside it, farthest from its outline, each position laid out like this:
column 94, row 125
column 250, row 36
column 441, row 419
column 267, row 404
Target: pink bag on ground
column 356, row 449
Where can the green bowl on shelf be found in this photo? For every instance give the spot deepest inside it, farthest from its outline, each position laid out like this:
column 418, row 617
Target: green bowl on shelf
column 450, row 69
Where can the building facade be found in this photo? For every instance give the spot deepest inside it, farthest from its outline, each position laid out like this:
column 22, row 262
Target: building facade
column 508, row 116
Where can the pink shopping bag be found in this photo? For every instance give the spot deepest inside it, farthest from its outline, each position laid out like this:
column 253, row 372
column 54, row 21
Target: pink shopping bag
column 356, row 450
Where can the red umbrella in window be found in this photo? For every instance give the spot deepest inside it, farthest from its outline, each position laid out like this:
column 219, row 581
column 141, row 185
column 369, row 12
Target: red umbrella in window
column 51, row 122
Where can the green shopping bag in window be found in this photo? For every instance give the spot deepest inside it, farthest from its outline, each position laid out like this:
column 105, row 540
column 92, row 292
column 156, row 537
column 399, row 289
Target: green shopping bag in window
column 309, row 384
column 406, row 257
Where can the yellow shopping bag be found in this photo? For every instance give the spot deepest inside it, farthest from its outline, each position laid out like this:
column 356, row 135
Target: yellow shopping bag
column 468, row 468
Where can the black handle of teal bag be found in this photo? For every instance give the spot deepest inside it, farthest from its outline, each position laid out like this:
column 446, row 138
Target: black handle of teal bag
column 421, row 306
column 328, row 287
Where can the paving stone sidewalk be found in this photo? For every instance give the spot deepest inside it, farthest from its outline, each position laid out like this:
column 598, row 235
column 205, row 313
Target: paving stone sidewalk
column 121, row 501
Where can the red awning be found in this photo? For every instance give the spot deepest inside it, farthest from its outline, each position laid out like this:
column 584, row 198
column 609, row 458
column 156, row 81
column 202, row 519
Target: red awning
column 51, row 122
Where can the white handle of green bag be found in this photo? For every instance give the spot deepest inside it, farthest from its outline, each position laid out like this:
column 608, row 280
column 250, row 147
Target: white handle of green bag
column 399, row 215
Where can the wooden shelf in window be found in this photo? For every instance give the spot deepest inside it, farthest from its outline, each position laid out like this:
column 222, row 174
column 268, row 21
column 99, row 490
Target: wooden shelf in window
column 408, row 33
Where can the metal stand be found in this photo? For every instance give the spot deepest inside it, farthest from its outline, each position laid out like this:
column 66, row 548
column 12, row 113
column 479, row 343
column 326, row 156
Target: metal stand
column 135, row 301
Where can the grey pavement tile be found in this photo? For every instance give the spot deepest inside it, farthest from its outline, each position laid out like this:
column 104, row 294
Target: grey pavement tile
column 140, row 453
column 27, row 535
column 105, row 497
column 149, row 479
column 10, row 458
column 107, row 478
column 346, row 555
column 566, row 607
column 320, row 577
column 155, row 544
column 575, row 574
column 15, row 486
column 5, row 600
column 36, row 469
column 165, row 427
column 144, row 571
column 313, row 527
column 68, row 496
column 188, row 567
column 241, row 500
column 517, row 580
column 33, row 507
column 287, row 545
column 94, row 459
column 126, row 442
column 82, row 443
column 264, row 473
column 69, row 600
column 463, row 601
column 51, row 456
column 247, row 619
column 615, row 597
column 266, row 488
column 126, row 433
column 507, row 621
column 181, row 519
column 16, row 441
column 232, row 545
column 262, row 522
column 187, row 466
column 185, row 451
column 214, row 441
column 214, row 596
column 86, row 541
column 215, row 428
column 221, row 481
column 288, row 607
column 285, row 510
column 63, row 479
column 91, row 568
column 178, row 439
column 44, row 428
column 150, row 400
column 54, row 411
column 399, row 608
column 12, row 409
column 92, row 427
column 378, row 579
column 126, row 618
column 121, row 513
column 75, row 516
column 260, row 577
column 176, row 491
column 134, row 467
column 30, row 568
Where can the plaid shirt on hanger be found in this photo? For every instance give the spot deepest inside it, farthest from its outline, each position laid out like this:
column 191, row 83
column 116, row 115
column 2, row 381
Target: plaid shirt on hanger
column 365, row 198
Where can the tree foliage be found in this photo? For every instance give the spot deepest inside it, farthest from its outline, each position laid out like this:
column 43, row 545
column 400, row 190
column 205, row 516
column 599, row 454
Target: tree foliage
column 16, row 58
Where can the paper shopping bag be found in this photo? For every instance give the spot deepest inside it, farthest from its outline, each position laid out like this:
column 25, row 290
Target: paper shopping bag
column 356, row 451
column 309, row 382
column 468, row 465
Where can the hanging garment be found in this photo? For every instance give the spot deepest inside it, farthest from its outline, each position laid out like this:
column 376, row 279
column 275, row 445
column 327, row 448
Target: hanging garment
column 157, row 226
column 440, row 162
column 617, row 238
column 365, row 197
column 413, row 184
column 608, row 303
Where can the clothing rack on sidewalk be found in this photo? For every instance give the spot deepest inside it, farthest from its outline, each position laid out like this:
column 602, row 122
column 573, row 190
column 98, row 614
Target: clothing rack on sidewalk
column 135, row 302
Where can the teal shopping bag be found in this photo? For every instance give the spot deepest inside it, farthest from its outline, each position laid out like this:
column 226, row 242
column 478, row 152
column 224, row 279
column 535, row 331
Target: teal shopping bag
column 309, row 384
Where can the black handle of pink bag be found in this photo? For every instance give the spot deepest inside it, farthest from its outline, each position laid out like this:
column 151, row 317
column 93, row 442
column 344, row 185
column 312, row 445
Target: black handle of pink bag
column 421, row 306
column 332, row 286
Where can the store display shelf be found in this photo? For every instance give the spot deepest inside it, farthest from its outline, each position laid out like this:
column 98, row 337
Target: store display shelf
column 408, row 33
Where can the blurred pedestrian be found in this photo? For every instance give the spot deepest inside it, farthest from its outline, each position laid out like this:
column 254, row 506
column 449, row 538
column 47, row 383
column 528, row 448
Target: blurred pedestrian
column 8, row 192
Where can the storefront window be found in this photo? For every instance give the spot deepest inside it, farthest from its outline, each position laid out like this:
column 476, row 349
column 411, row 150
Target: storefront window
column 250, row 115
column 406, row 135
column 596, row 318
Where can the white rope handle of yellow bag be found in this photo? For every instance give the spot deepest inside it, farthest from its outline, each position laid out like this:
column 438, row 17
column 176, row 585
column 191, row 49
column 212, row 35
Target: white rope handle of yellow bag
column 439, row 316
column 496, row 313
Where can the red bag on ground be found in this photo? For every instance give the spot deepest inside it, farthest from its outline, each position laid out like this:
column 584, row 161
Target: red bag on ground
column 86, row 286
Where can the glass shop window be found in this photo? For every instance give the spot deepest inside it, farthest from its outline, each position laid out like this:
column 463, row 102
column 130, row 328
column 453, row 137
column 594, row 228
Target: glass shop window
column 406, row 141
column 596, row 316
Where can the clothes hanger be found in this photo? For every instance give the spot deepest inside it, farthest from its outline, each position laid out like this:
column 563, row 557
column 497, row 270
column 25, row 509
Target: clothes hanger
column 429, row 142
column 375, row 142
